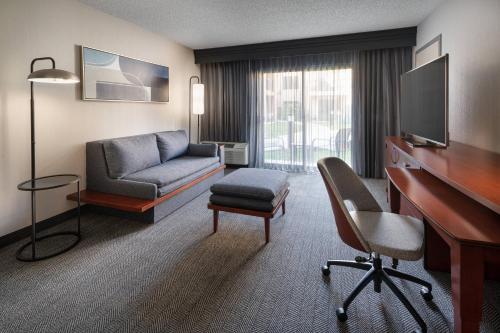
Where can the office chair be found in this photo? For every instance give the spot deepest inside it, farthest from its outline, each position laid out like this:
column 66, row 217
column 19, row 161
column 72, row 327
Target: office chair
column 370, row 230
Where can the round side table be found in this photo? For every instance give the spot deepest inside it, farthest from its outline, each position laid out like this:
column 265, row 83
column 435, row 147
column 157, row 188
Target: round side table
column 42, row 184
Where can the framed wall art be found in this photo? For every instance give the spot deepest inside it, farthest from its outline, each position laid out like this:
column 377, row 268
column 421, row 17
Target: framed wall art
column 108, row 76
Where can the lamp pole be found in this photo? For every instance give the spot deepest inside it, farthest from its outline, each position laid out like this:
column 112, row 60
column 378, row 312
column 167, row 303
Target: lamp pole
column 32, row 118
column 198, row 129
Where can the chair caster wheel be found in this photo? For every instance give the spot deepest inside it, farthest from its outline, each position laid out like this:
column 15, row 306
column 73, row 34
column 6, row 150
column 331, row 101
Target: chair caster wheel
column 426, row 294
column 325, row 270
column 361, row 259
column 341, row 315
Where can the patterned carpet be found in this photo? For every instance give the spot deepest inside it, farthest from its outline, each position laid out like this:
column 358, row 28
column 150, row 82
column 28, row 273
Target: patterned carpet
column 175, row 276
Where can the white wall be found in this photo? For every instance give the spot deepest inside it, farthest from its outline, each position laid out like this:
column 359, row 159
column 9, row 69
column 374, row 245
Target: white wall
column 34, row 28
column 471, row 35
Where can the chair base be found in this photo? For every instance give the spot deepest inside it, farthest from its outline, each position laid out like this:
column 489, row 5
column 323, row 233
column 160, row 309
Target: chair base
column 380, row 274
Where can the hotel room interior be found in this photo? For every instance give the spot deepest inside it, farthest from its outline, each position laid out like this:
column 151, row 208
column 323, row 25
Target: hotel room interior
column 250, row 166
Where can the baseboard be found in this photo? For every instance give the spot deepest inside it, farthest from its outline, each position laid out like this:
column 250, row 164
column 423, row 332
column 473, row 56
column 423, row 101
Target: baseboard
column 42, row 225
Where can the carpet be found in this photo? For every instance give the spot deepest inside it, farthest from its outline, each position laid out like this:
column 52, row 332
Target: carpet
column 176, row 276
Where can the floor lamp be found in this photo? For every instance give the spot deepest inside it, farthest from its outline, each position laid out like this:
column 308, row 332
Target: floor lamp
column 196, row 102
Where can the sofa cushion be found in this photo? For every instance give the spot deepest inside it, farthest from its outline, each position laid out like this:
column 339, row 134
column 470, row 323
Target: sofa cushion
column 163, row 190
column 172, row 144
column 172, row 170
column 245, row 203
column 259, row 184
column 130, row 154
column 203, row 149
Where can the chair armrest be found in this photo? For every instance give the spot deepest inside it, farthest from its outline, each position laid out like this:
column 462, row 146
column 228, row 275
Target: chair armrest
column 202, row 149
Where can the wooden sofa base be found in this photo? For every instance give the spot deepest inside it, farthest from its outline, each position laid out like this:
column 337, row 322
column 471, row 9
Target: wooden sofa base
column 147, row 210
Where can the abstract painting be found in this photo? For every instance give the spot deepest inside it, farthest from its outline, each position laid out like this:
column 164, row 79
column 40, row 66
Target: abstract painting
column 112, row 77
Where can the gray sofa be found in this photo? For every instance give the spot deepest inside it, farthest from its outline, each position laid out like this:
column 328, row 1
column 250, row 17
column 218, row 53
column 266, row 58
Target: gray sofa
column 151, row 166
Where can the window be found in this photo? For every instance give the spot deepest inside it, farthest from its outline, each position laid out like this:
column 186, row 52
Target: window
column 290, row 81
column 307, row 117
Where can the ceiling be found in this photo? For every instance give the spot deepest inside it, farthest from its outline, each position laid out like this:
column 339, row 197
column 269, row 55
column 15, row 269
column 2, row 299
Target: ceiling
column 215, row 23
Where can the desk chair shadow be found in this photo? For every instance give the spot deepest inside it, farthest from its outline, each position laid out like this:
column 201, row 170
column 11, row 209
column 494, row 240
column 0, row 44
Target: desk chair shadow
column 370, row 230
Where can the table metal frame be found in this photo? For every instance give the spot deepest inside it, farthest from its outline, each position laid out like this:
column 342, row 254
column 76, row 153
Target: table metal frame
column 33, row 189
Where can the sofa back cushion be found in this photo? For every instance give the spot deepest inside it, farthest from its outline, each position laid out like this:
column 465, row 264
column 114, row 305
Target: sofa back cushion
column 131, row 154
column 172, row 144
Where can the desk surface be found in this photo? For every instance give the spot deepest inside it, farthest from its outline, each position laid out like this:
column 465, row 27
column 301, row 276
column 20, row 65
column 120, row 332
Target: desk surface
column 473, row 171
column 450, row 210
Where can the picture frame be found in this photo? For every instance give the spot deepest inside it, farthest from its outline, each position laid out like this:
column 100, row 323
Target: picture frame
column 108, row 76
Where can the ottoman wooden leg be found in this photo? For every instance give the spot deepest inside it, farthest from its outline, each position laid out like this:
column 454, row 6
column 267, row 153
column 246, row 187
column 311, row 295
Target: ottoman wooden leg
column 266, row 228
column 216, row 220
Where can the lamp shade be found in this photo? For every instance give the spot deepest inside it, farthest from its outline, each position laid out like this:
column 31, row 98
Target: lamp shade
column 53, row 75
column 198, row 98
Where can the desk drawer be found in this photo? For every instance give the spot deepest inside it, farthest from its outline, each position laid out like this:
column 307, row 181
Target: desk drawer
column 394, row 157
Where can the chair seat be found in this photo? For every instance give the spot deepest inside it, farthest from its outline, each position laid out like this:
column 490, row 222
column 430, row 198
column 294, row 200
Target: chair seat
column 392, row 235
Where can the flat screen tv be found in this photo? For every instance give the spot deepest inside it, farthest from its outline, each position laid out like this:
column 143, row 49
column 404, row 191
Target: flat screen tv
column 424, row 104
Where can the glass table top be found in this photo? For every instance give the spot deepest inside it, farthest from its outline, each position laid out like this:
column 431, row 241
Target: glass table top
column 48, row 182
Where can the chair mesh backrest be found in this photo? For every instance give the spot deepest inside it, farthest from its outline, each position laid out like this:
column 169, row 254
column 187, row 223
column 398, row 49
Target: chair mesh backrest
column 343, row 184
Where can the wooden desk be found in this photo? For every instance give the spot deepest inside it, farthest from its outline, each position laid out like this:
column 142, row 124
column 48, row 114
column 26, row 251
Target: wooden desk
column 450, row 191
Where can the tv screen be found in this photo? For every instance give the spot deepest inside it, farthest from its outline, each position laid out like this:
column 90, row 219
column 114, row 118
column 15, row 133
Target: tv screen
column 424, row 102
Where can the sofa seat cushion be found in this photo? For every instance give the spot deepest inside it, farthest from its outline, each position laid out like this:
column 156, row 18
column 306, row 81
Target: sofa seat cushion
column 172, row 170
column 127, row 155
column 259, row 184
column 172, row 144
column 186, row 180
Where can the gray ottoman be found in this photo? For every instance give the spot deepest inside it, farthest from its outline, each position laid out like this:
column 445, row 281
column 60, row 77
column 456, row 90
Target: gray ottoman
column 255, row 192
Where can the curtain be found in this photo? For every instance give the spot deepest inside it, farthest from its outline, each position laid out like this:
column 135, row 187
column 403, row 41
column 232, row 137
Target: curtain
column 303, row 110
column 376, row 97
column 227, row 98
column 294, row 110
column 291, row 110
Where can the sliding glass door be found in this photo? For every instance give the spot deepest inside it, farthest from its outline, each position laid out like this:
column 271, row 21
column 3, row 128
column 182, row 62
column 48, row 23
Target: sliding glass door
column 307, row 116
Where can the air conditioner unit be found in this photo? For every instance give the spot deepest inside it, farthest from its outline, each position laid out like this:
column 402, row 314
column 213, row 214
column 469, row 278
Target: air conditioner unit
column 236, row 153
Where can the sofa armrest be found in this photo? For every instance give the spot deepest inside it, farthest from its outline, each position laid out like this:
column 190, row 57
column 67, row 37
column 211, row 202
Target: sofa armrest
column 128, row 188
column 221, row 154
column 203, row 149
column 99, row 180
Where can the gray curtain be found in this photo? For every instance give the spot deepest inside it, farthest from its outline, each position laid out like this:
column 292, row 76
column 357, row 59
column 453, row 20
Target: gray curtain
column 376, row 96
column 230, row 104
column 227, row 101
column 233, row 112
